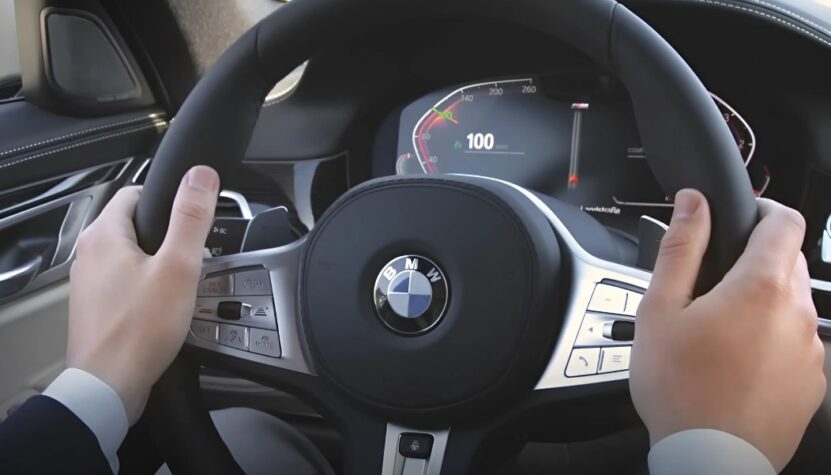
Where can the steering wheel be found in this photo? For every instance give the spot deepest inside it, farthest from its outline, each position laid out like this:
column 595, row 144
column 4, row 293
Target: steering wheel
column 483, row 331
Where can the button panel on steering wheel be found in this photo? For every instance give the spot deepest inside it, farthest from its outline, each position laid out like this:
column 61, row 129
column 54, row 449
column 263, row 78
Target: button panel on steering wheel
column 603, row 344
column 253, row 327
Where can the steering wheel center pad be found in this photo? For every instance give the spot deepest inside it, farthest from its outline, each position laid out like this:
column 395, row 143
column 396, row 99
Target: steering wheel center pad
column 502, row 264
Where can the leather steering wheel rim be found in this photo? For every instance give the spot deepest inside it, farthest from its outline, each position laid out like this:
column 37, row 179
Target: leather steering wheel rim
column 689, row 144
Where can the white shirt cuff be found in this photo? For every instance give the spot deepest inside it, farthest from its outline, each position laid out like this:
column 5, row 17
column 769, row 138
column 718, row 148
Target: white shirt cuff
column 707, row 451
column 97, row 405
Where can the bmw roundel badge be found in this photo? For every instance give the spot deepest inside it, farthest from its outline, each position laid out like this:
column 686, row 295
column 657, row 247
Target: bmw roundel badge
column 411, row 294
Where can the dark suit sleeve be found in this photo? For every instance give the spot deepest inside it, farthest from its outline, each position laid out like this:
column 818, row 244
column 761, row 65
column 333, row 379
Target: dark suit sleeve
column 44, row 437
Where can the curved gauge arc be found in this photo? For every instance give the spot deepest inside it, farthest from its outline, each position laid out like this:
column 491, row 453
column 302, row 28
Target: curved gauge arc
column 731, row 116
column 527, row 131
column 441, row 113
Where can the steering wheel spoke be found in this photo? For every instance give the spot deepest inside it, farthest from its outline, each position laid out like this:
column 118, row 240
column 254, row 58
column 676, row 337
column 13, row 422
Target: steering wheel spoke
column 595, row 343
column 408, row 450
column 246, row 308
column 372, row 445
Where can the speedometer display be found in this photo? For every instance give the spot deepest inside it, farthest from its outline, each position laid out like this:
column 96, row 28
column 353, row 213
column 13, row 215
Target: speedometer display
column 497, row 126
column 571, row 137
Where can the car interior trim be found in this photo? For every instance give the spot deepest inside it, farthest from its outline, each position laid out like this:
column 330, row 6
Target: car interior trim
column 588, row 271
column 283, row 264
column 790, row 13
column 156, row 124
column 152, row 117
column 394, row 463
column 139, row 174
column 768, row 16
column 80, row 207
column 793, row 14
column 242, row 203
column 65, row 185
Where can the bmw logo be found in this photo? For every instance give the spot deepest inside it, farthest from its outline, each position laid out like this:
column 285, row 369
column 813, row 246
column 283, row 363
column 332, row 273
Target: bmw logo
column 411, row 294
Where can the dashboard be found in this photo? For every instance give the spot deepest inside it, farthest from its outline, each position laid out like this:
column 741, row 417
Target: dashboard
column 570, row 136
column 466, row 96
column 527, row 108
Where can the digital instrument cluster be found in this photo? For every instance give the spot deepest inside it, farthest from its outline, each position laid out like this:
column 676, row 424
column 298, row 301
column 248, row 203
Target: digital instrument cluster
column 571, row 137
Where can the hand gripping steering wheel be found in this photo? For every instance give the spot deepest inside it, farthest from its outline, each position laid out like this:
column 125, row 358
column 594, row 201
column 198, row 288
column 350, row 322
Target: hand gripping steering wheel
column 491, row 342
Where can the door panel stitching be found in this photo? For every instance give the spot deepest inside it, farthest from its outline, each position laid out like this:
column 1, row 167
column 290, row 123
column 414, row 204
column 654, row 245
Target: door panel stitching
column 156, row 124
column 154, row 117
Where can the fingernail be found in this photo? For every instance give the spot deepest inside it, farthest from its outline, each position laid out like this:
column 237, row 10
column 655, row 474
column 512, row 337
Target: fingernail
column 203, row 178
column 686, row 203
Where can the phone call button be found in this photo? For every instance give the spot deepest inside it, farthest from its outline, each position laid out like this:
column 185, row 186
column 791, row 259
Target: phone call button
column 583, row 362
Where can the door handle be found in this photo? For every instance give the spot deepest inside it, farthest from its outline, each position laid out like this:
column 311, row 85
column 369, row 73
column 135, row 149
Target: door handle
column 15, row 280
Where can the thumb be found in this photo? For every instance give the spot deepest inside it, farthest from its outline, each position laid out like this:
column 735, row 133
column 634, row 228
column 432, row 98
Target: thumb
column 682, row 249
column 192, row 213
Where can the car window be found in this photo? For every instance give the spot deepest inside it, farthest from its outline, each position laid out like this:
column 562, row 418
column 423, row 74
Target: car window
column 9, row 62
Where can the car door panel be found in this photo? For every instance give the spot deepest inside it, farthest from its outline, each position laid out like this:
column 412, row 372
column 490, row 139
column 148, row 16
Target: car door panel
column 43, row 229
column 61, row 160
column 36, row 144
column 33, row 333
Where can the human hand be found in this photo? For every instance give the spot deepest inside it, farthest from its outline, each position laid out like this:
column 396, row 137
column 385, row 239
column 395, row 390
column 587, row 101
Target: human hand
column 129, row 313
column 745, row 358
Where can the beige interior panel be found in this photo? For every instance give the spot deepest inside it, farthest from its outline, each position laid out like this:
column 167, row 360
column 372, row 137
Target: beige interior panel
column 33, row 333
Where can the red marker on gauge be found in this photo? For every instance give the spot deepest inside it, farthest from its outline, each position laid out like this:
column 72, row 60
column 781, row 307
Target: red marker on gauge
column 574, row 159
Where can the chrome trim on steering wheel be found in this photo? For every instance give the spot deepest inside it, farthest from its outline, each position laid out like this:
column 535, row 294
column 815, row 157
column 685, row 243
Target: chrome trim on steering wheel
column 587, row 272
column 283, row 265
column 824, row 324
column 394, row 462
column 240, row 200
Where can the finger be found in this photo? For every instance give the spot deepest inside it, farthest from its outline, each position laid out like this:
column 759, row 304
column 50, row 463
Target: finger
column 117, row 216
column 682, row 249
column 192, row 213
column 773, row 247
column 802, row 293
